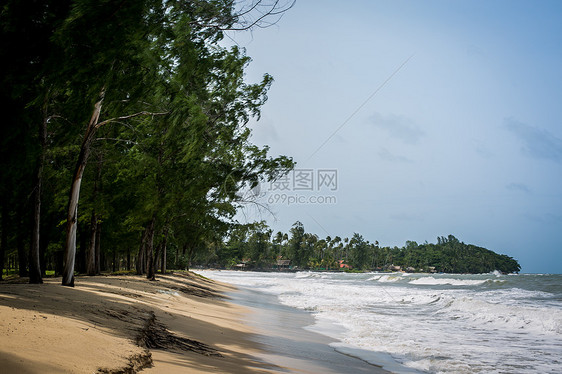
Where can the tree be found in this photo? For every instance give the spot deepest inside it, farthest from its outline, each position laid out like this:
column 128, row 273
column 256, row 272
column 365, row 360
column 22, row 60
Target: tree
column 124, row 64
column 295, row 246
column 25, row 29
column 176, row 37
column 359, row 251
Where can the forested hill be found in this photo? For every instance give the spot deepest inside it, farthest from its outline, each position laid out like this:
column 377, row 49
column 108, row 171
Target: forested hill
column 450, row 255
column 257, row 247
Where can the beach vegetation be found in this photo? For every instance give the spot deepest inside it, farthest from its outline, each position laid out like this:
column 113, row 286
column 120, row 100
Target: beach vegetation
column 125, row 132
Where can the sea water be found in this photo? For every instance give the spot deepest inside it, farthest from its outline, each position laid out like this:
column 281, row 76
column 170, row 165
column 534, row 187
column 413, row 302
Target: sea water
column 429, row 323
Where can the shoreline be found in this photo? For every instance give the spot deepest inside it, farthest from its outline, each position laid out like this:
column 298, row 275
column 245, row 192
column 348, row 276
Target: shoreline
column 111, row 324
column 288, row 338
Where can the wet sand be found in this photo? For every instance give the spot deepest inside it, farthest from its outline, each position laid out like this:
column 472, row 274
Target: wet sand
column 286, row 341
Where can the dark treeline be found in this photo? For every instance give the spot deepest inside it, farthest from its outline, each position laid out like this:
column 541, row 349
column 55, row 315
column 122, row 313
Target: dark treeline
column 255, row 246
column 124, row 135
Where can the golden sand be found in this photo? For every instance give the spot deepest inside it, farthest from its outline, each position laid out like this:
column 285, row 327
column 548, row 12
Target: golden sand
column 111, row 324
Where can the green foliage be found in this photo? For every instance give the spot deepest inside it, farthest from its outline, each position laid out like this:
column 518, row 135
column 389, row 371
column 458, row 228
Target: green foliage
column 171, row 144
column 258, row 247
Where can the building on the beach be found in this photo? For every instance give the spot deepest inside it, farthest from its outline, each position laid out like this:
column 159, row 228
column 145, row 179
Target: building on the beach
column 344, row 266
column 244, row 264
column 283, row 264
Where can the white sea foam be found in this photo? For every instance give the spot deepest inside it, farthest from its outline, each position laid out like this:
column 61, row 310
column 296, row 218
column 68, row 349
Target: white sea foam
column 485, row 323
column 389, row 278
column 507, row 317
column 431, row 281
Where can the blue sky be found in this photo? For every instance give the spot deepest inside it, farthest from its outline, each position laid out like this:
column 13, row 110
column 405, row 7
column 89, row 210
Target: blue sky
column 462, row 133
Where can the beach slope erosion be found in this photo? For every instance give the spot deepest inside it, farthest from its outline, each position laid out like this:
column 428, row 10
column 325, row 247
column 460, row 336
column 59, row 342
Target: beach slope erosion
column 124, row 324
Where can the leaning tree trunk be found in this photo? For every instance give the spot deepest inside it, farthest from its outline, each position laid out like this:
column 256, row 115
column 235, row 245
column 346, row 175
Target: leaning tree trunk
column 72, row 216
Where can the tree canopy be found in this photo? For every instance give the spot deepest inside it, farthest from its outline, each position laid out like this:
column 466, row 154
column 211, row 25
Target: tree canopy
column 135, row 112
column 307, row 251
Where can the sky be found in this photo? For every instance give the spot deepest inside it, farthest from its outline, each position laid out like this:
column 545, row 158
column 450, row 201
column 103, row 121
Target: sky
column 410, row 120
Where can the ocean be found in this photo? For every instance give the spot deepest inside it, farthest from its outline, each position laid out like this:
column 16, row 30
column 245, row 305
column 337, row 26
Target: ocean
column 427, row 323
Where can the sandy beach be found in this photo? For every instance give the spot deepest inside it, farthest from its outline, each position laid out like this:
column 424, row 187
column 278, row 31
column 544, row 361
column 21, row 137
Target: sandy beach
column 181, row 323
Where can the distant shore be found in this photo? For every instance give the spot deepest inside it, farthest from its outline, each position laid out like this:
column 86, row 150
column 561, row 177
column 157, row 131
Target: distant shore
column 180, row 323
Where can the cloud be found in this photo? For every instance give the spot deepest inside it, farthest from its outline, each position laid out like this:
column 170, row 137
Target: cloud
column 398, row 127
column 387, row 156
column 538, row 143
column 518, row 187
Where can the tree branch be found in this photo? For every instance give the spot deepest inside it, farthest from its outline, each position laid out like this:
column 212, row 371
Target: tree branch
column 143, row 113
column 119, row 140
column 275, row 9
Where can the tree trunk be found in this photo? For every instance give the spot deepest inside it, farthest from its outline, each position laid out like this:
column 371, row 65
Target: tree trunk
column 128, row 259
column 150, row 253
column 141, row 258
column 3, row 235
column 114, row 264
column 91, row 253
column 22, row 255
column 164, row 244
column 190, row 256
column 72, row 217
column 34, row 255
column 98, row 247
column 157, row 259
